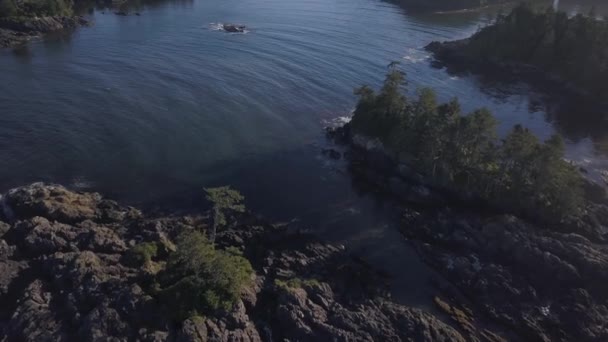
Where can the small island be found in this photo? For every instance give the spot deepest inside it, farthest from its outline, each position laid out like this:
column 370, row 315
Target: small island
column 544, row 46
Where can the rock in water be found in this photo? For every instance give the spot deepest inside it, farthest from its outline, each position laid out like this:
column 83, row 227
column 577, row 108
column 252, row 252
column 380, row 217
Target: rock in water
column 234, row 28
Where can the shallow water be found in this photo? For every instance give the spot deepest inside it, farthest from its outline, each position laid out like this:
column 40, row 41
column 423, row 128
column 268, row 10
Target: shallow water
column 150, row 109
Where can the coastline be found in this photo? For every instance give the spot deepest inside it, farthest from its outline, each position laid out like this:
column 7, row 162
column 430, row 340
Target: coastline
column 19, row 31
column 451, row 54
column 500, row 268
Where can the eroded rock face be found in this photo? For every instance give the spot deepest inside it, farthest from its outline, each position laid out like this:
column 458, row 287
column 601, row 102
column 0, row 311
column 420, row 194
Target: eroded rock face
column 64, row 277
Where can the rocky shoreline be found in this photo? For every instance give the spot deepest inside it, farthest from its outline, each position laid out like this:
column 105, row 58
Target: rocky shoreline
column 64, row 276
column 527, row 280
column 18, row 31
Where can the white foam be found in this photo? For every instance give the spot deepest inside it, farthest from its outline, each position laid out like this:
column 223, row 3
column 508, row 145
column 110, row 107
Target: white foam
column 81, row 183
column 338, row 120
column 416, row 55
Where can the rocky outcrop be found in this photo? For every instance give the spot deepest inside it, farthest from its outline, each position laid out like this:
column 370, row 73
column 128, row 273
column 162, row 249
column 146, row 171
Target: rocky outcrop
column 64, row 275
column 533, row 281
column 15, row 31
column 233, row 28
column 545, row 285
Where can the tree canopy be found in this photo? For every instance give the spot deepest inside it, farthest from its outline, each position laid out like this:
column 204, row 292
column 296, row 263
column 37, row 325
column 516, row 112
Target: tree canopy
column 574, row 48
column 462, row 152
column 35, row 8
column 200, row 279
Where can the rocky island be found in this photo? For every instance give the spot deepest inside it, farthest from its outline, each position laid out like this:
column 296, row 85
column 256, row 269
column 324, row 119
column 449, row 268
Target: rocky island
column 546, row 47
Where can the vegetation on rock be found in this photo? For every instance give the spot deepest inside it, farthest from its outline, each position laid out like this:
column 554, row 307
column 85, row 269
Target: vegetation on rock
column 200, row 279
column 142, row 253
column 224, row 199
column 296, row 283
column 35, row 8
column 462, row 152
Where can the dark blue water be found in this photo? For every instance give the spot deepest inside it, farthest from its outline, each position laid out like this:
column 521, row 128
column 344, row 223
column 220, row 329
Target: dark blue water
column 150, row 109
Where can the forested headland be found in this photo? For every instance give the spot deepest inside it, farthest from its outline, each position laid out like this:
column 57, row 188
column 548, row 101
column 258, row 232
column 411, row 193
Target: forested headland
column 463, row 153
column 571, row 50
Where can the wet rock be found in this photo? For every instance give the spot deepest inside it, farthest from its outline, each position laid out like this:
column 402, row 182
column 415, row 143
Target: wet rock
column 234, row 28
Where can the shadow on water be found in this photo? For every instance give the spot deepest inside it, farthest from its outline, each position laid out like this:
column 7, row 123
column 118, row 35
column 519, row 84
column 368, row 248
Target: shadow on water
column 551, row 100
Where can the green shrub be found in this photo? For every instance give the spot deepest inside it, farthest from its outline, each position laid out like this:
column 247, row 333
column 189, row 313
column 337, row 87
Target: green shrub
column 142, row 254
column 35, row 8
column 294, row 283
column 200, row 279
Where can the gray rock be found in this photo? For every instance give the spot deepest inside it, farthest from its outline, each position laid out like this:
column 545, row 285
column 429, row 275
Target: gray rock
column 234, row 28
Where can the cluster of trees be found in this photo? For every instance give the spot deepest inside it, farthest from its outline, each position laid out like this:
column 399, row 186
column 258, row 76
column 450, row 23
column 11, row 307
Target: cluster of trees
column 200, row 279
column 35, row 8
column 575, row 48
column 462, row 152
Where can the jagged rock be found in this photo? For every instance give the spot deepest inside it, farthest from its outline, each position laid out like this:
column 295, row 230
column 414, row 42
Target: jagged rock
column 57, row 203
column 63, row 276
column 234, row 28
column 39, row 236
column 34, row 320
column 519, row 274
column 306, row 319
column 193, row 330
column 53, row 202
